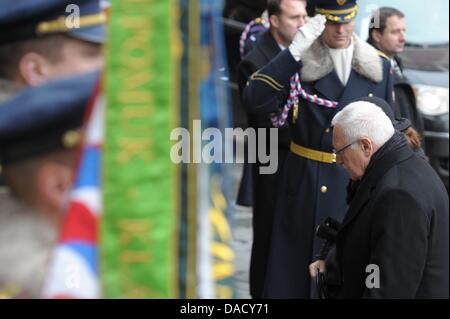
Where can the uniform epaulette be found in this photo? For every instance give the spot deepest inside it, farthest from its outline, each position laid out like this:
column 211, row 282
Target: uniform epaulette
column 381, row 54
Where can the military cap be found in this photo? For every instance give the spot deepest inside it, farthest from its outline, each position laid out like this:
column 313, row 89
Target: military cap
column 25, row 19
column 399, row 123
column 340, row 11
column 44, row 118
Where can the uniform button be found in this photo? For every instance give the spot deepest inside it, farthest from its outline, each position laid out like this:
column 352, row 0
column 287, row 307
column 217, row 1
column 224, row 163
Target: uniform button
column 324, row 189
column 328, row 130
column 370, row 94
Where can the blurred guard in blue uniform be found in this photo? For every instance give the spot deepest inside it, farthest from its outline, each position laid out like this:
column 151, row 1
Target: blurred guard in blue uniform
column 334, row 67
column 39, row 131
column 46, row 39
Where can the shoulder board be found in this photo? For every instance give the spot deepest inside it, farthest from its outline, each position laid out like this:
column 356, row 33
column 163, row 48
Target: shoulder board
column 260, row 20
column 381, row 54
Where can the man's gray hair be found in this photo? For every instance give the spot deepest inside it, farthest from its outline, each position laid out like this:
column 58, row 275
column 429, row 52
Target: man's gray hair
column 364, row 119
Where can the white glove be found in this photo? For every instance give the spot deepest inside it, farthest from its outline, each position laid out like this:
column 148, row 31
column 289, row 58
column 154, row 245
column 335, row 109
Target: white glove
column 306, row 36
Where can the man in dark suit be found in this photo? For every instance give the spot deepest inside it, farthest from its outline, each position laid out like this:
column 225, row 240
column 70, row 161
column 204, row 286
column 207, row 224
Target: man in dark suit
column 286, row 17
column 325, row 68
column 388, row 34
column 394, row 240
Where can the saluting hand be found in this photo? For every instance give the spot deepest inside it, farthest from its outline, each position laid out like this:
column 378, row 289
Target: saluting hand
column 306, row 36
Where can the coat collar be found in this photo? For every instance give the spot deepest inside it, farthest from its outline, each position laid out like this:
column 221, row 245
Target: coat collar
column 317, row 62
column 268, row 46
column 370, row 181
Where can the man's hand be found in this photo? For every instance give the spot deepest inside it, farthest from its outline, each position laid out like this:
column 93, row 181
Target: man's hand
column 318, row 266
column 306, row 35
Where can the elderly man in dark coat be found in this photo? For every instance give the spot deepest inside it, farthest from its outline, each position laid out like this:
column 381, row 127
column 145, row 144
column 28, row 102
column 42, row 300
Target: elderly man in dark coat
column 394, row 240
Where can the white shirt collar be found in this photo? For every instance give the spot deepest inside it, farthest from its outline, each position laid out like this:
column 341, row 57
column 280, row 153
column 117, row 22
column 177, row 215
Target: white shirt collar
column 342, row 59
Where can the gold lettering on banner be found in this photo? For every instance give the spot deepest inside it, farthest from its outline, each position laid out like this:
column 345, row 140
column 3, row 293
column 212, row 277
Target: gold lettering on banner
column 134, row 120
column 135, row 141
column 132, row 234
column 129, row 120
column 129, row 22
column 135, row 257
column 134, row 229
column 135, row 98
column 131, row 148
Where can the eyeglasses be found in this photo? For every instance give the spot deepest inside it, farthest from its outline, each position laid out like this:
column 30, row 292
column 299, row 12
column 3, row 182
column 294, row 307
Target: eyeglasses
column 338, row 152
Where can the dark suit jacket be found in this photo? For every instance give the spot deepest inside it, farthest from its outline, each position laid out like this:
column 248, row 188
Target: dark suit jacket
column 405, row 100
column 398, row 220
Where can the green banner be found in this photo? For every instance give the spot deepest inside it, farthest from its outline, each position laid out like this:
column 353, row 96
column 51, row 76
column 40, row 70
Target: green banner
column 139, row 229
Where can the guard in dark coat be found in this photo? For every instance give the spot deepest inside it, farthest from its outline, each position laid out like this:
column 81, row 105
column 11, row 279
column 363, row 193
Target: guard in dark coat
column 312, row 186
column 257, row 189
column 394, row 240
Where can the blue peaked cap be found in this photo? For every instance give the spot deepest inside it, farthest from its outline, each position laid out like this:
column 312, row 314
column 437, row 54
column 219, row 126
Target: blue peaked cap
column 26, row 19
column 44, row 118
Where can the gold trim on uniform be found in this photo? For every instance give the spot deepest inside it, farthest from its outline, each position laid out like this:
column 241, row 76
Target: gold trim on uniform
column 334, row 12
column 383, row 55
column 318, row 156
column 260, row 20
column 339, row 19
column 295, row 113
column 59, row 24
column 268, row 80
column 351, row 15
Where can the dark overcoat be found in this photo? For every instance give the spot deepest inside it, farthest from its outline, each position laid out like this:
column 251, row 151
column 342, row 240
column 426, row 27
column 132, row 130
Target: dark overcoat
column 257, row 190
column 398, row 221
